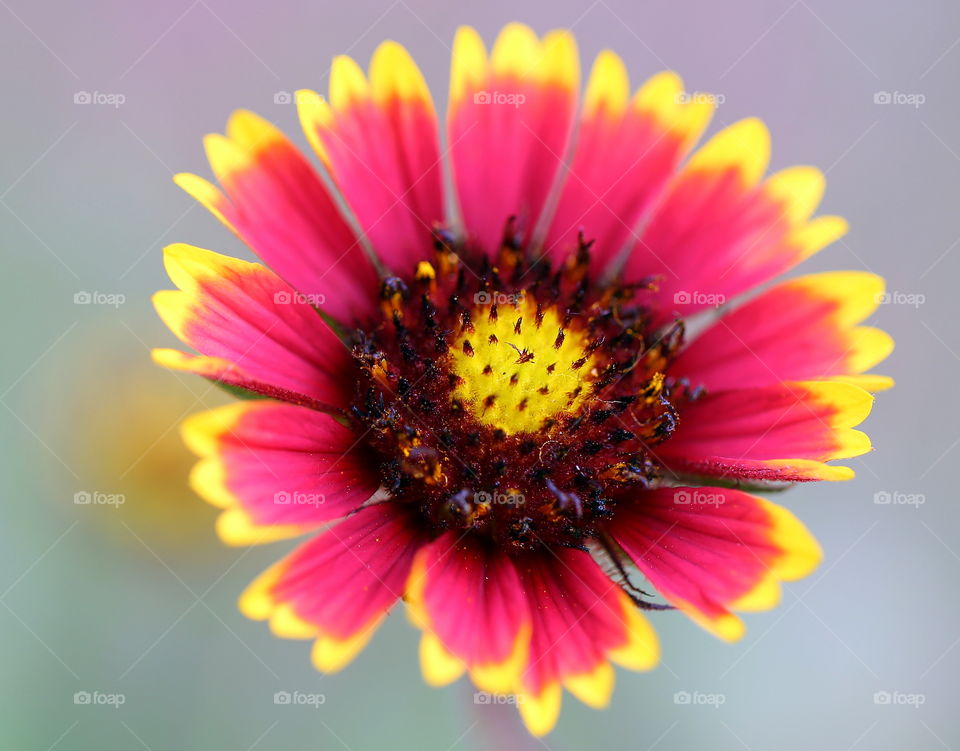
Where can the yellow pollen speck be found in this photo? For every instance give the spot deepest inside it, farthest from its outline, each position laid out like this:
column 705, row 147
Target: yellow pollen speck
column 425, row 271
column 514, row 371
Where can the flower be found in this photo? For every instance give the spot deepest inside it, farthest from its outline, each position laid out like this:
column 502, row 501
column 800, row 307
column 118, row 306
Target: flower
column 498, row 403
column 136, row 468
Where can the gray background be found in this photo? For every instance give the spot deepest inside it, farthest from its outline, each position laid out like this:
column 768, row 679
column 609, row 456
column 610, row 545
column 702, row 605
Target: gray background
column 139, row 599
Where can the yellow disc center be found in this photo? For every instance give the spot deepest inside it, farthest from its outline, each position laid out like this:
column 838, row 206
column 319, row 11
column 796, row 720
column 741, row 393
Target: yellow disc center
column 517, row 372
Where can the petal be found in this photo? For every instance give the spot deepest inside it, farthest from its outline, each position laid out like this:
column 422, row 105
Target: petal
column 466, row 596
column 581, row 620
column 626, row 151
column 784, row 432
column 378, row 138
column 805, row 328
column 278, row 205
column 337, row 587
column 241, row 314
column 712, row 550
column 277, row 470
column 232, row 377
column 509, row 125
column 719, row 231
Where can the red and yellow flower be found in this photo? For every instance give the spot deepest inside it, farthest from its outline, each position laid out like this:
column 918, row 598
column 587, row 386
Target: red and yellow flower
column 483, row 401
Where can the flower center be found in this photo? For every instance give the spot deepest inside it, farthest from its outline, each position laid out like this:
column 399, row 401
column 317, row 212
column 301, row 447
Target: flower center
column 519, row 366
column 513, row 400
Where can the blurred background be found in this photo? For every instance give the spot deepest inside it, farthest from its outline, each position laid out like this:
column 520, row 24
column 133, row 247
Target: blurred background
column 111, row 578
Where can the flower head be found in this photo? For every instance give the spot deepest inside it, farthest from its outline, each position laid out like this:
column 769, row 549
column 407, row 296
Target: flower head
column 490, row 399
